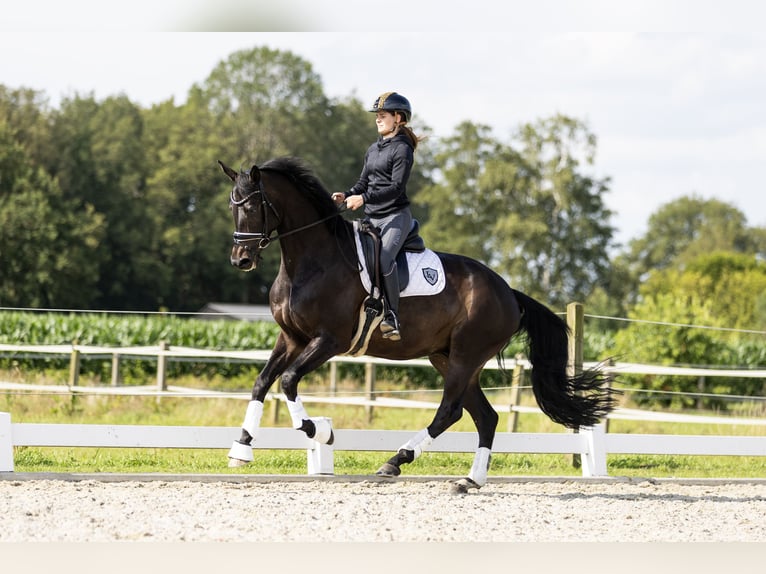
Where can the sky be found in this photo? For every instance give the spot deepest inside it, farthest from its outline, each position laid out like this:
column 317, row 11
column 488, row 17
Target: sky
column 678, row 107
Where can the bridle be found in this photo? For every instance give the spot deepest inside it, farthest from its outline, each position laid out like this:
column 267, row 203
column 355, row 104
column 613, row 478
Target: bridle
column 264, row 237
column 246, row 238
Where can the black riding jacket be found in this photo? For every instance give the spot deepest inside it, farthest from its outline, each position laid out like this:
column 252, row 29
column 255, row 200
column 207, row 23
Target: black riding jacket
column 383, row 182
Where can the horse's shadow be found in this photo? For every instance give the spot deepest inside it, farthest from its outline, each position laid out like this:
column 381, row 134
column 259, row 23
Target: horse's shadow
column 637, row 496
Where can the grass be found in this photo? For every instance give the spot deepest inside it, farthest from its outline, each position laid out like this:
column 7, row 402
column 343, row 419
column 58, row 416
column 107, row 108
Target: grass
column 50, row 408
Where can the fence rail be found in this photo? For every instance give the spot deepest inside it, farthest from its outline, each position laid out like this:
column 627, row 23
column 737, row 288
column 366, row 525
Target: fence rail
column 160, row 350
column 592, row 444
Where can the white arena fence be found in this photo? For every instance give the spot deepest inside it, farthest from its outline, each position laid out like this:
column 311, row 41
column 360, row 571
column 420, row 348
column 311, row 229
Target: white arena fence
column 592, row 444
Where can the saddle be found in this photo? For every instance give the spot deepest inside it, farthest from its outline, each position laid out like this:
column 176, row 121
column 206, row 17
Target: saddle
column 369, row 236
column 371, row 312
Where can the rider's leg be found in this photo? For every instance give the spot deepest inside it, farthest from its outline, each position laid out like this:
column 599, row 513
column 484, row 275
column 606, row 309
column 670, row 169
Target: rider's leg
column 394, row 229
column 390, row 324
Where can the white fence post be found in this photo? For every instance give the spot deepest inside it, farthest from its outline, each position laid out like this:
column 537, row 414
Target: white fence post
column 594, row 458
column 6, row 443
column 320, row 459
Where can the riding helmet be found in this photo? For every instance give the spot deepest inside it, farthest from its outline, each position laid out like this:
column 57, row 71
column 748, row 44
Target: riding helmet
column 393, row 102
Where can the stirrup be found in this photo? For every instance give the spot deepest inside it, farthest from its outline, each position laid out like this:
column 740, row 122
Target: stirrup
column 390, row 327
column 393, row 335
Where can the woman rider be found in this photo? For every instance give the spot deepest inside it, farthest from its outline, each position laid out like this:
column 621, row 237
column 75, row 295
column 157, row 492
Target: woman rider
column 382, row 190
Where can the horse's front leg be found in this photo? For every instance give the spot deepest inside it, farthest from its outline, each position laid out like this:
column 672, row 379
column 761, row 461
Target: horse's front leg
column 241, row 451
column 316, row 353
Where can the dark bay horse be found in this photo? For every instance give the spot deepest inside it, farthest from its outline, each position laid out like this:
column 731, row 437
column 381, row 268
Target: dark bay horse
column 316, row 300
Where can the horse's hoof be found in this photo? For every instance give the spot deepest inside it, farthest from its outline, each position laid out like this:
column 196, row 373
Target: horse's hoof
column 388, row 470
column 236, row 463
column 463, row 485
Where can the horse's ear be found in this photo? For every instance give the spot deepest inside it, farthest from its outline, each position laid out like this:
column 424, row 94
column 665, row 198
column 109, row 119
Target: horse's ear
column 255, row 174
column 228, row 171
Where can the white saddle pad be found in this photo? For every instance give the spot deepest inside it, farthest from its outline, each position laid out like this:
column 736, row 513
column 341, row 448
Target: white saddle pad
column 426, row 272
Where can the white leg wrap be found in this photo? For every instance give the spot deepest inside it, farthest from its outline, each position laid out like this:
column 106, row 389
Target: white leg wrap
column 418, row 443
column 480, row 466
column 297, row 413
column 323, row 429
column 252, row 420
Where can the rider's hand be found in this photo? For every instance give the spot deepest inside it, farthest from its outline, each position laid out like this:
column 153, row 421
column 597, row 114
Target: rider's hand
column 354, row 201
column 338, row 197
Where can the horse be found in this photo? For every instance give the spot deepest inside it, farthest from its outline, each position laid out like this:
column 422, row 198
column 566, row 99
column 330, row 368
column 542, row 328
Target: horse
column 316, row 300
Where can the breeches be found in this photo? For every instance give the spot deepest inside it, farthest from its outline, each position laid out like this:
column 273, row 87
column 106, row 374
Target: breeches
column 394, row 229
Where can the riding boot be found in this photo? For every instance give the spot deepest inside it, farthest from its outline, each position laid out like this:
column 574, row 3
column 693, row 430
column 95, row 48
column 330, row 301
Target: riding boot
column 390, row 324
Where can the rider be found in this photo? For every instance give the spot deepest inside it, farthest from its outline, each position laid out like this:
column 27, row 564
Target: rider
column 382, row 189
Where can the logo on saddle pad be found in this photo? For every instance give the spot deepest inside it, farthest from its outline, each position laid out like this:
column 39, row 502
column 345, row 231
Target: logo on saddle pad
column 430, row 275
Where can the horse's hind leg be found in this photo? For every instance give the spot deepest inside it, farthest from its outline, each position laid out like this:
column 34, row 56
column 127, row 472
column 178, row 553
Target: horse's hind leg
column 457, row 378
column 485, row 418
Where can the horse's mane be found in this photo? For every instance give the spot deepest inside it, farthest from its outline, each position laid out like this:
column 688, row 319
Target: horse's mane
column 307, row 182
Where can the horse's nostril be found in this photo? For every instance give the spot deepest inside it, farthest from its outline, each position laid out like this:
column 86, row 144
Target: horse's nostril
column 244, row 263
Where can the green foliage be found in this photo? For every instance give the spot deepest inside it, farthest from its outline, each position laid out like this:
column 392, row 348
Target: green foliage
column 133, row 330
column 697, row 265
column 126, row 331
column 542, row 222
column 46, row 240
column 679, row 232
column 456, row 207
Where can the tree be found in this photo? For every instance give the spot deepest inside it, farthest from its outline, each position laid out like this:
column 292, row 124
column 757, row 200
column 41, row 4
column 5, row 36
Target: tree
column 25, row 113
column 455, row 209
column 689, row 226
column 188, row 199
column 528, row 211
column 99, row 160
column 46, row 242
column 266, row 103
column 733, row 283
column 276, row 101
column 721, row 289
column 678, row 232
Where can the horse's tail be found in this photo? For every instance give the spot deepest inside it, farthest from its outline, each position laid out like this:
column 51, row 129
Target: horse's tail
column 581, row 400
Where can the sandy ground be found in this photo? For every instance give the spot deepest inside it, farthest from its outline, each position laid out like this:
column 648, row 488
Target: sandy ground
column 375, row 511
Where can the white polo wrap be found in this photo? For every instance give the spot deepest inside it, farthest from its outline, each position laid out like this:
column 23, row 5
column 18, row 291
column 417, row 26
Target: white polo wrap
column 480, row 466
column 418, row 443
column 253, row 416
column 297, row 413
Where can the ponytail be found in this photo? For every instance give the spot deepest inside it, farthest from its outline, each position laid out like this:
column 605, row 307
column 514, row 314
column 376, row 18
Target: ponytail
column 411, row 135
